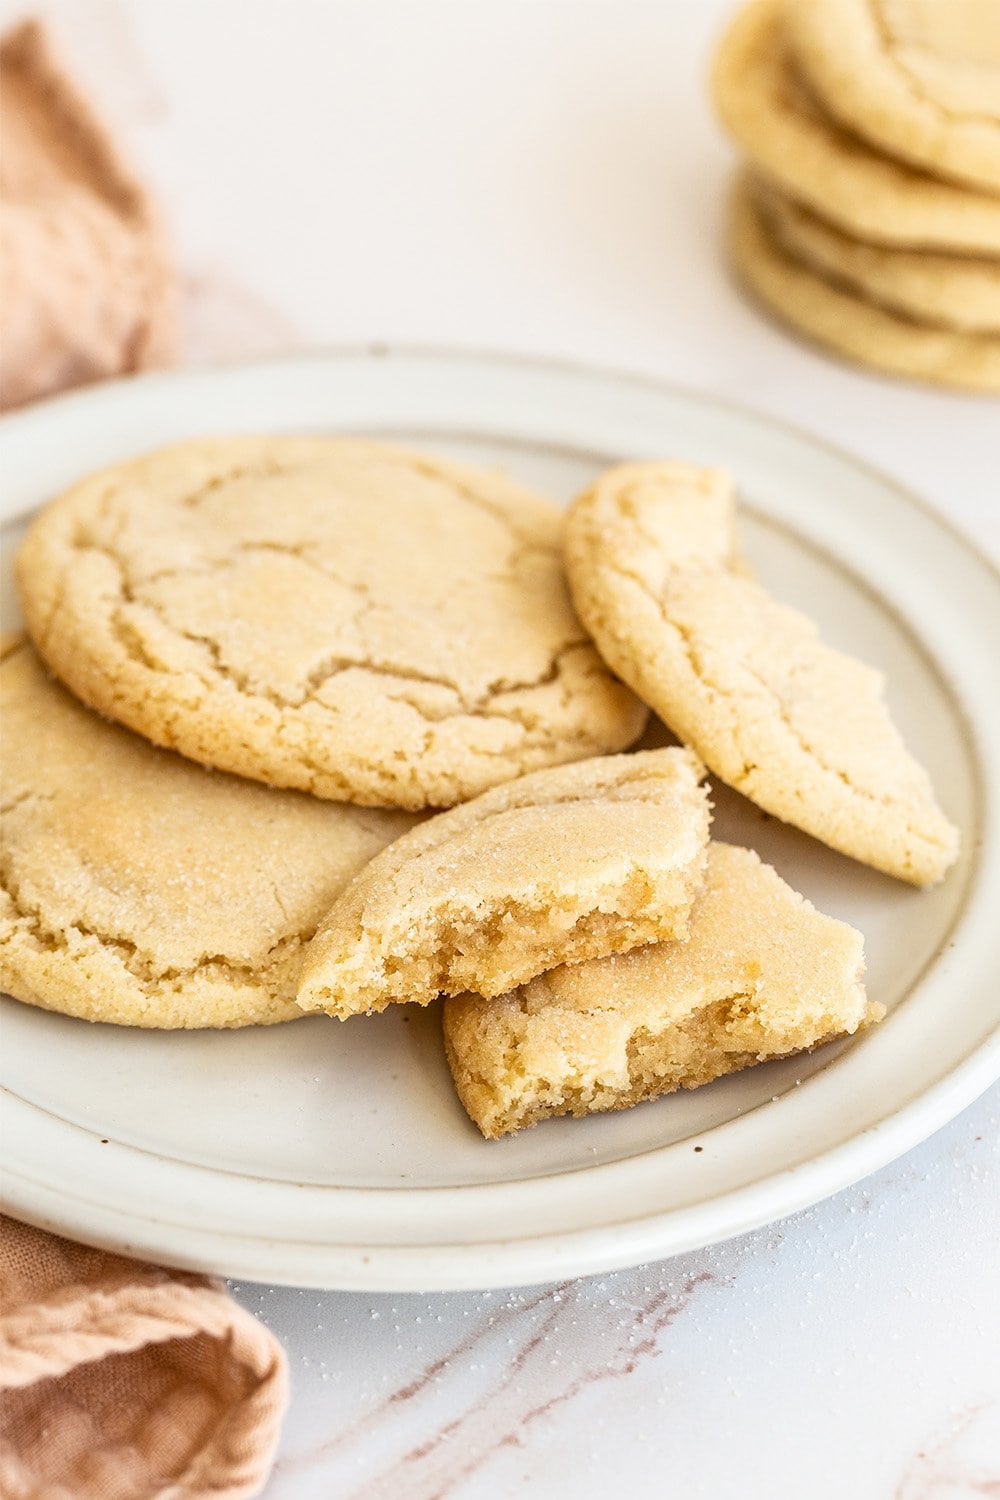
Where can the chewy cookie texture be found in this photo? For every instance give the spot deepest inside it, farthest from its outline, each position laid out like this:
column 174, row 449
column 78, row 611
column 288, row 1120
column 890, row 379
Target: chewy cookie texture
column 834, row 314
column 559, row 866
column 800, row 729
column 362, row 623
column 762, row 974
column 869, row 219
column 771, row 113
column 140, row 889
column 389, row 631
column 954, row 291
column 920, row 78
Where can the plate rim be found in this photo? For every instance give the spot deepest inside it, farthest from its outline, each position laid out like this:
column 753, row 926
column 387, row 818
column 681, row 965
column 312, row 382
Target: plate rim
column 396, row 349
column 527, row 1259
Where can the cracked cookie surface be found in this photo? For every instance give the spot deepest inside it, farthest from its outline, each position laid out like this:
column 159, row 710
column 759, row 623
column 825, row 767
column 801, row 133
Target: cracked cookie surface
column 788, row 136
column 799, row 728
column 920, row 78
column 561, row 865
column 362, row 623
column 140, row 889
column 762, row 974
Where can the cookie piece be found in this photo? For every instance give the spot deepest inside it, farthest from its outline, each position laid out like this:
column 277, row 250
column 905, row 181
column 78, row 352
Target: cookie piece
column 956, row 291
column 763, row 974
column 559, row 866
column 797, row 727
column 920, row 78
column 140, row 889
column 765, row 106
column 847, row 323
column 359, row 622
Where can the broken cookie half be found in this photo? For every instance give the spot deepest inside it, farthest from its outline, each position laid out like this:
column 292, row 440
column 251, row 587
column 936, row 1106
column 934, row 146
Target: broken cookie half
column 799, row 728
column 559, row 866
column 761, row 975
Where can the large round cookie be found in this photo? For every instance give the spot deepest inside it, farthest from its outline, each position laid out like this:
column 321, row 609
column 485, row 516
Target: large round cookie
column 365, row 624
column 791, row 139
column 921, row 78
column 801, row 729
column 850, row 325
column 957, row 291
column 140, row 889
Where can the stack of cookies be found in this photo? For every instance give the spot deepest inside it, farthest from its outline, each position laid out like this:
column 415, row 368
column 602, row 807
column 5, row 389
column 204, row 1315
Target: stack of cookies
column 868, row 215
column 335, row 726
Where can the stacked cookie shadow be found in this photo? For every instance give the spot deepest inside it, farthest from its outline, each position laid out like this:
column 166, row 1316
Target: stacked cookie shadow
column 868, row 213
column 335, row 726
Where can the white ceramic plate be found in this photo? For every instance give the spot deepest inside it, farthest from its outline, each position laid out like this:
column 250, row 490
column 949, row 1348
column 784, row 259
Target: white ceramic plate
column 337, row 1155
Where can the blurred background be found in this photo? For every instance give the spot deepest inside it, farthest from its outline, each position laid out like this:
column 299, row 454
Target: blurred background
column 543, row 176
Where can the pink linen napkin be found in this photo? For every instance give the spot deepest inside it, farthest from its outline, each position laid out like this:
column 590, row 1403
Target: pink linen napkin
column 86, row 289
column 122, row 1381
column 119, row 1380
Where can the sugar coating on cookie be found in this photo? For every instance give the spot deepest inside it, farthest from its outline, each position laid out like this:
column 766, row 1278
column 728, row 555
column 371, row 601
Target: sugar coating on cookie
column 356, row 621
column 767, row 108
column 799, row 728
column 559, row 866
column 920, row 78
column 956, row 291
column 841, row 319
column 139, row 889
column 762, row 974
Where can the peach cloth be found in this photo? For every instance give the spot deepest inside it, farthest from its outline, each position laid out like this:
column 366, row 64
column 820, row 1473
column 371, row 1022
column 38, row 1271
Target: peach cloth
column 118, row 1380
column 85, row 285
column 122, row 1381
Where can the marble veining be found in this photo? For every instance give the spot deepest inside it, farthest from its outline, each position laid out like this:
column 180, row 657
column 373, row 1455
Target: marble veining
column 849, row 1350
column 519, row 186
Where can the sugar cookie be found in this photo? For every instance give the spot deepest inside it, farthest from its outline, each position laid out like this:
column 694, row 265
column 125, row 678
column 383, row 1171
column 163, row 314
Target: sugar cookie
column 789, row 137
column 799, row 728
column 920, row 78
column 763, row 974
column 559, row 866
column 848, row 323
column 359, row 622
column 957, row 291
column 140, row 889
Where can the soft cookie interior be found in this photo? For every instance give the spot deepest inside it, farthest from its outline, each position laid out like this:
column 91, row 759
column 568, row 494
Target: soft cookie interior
column 559, row 866
column 762, row 974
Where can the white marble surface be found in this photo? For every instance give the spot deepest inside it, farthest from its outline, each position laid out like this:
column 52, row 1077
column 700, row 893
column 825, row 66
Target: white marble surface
column 851, row 1350
column 545, row 176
